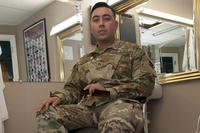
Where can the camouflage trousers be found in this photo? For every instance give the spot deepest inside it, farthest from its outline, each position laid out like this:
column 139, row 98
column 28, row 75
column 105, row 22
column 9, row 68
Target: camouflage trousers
column 116, row 117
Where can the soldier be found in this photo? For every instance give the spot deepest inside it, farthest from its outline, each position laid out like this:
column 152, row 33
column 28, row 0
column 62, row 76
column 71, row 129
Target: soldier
column 105, row 86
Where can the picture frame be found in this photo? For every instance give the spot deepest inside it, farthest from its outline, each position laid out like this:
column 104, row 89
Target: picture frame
column 36, row 52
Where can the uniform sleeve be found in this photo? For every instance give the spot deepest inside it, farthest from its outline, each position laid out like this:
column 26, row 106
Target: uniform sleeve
column 71, row 92
column 142, row 82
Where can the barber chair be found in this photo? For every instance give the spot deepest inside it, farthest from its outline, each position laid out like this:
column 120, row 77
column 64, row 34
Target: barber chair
column 156, row 94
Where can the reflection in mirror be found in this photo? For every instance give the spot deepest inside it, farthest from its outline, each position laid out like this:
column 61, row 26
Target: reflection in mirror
column 168, row 36
column 71, row 49
column 170, row 46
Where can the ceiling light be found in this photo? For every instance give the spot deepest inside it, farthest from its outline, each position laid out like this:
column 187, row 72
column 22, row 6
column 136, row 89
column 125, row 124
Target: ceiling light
column 112, row 2
column 147, row 21
column 76, row 19
column 69, row 0
column 166, row 30
column 165, row 16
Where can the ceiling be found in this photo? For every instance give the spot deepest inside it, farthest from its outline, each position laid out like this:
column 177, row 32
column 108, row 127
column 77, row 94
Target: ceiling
column 163, row 34
column 13, row 12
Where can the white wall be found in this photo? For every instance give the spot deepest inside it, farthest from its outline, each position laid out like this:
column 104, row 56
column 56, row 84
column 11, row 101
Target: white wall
column 182, row 8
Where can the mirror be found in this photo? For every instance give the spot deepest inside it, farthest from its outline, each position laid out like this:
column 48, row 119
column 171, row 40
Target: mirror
column 56, row 13
column 71, row 48
column 172, row 45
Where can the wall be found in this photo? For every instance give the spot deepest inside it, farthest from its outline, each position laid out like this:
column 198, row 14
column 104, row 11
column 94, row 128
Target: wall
column 22, row 100
column 9, row 30
column 181, row 8
column 175, row 112
column 178, row 110
column 54, row 14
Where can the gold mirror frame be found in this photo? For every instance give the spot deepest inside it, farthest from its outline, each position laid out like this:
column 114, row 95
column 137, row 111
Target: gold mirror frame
column 127, row 4
column 173, row 77
column 60, row 37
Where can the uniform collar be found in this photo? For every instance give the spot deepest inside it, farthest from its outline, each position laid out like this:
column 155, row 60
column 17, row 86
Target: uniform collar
column 114, row 45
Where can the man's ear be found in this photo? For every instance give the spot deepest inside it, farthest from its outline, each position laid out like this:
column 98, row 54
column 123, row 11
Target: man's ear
column 116, row 23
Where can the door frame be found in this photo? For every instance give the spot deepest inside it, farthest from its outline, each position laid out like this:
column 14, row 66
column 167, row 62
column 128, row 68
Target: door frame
column 175, row 60
column 12, row 40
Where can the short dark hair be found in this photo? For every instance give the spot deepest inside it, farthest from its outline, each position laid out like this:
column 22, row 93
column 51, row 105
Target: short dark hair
column 102, row 4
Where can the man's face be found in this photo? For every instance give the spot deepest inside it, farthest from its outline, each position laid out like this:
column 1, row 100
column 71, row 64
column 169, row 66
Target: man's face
column 103, row 24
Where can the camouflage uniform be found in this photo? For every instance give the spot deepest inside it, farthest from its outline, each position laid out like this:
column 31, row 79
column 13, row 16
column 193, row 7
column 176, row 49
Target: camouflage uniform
column 125, row 71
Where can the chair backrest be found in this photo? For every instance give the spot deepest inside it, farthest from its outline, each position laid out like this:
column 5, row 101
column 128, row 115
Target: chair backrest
column 156, row 94
column 157, row 91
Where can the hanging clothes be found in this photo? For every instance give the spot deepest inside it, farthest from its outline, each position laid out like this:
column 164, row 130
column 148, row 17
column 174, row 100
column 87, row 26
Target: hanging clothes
column 3, row 108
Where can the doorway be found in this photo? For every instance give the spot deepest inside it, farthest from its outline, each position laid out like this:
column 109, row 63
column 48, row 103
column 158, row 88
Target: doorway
column 6, row 60
column 167, row 65
column 169, row 62
column 10, row 55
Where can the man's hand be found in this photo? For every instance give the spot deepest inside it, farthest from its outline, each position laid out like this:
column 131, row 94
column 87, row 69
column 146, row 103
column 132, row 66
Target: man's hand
column 92, row 87
column 50, row 101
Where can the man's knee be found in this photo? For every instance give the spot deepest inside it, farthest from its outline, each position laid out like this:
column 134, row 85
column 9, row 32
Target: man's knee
column 116, row 125
column 121, row 117
column 47, row 121
column 46, row 124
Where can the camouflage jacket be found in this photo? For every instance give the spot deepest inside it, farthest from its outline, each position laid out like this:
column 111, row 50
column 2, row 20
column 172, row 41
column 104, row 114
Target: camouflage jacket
column 122, row 68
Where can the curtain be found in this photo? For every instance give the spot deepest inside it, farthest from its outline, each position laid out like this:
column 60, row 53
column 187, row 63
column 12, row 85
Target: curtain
column 185, row 66
column 196, row 10
column 189, row 57
column 191, row 50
